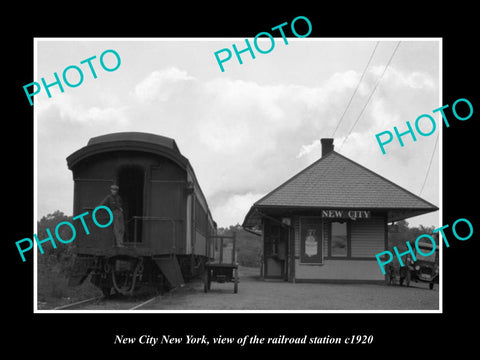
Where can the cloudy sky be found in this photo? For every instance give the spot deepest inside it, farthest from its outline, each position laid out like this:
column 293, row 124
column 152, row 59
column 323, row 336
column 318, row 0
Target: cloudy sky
column 250, row 128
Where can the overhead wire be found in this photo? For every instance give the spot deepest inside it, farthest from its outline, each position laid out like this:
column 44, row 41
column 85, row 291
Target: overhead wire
column 371, row 94
column 430, row 164
column 358, row 85
column 367, row 102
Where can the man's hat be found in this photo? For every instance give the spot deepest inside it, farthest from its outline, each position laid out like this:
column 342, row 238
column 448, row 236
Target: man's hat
column 114, row 187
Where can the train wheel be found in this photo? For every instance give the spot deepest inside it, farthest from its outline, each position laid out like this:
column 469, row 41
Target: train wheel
column 235, row 285
column 124, row 281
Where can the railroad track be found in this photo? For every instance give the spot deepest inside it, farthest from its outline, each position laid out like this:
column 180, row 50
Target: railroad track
column 74, row 305
column 103, row 303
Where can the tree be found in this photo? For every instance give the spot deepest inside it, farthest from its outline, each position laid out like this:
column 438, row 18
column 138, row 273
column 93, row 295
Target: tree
column 57, row 259
column 402, row 225
column 402, row 233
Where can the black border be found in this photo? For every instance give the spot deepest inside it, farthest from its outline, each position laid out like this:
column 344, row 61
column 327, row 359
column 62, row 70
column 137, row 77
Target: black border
column 92, row 334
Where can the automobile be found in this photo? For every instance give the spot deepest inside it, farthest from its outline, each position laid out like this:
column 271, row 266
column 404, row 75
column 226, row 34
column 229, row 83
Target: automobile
column 425, row 268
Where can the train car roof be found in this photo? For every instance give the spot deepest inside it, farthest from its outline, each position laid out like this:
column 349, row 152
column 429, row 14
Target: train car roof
column 135, row 136
column 138, row 141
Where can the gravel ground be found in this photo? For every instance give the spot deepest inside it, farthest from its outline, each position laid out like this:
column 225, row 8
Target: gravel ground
column 255, row 294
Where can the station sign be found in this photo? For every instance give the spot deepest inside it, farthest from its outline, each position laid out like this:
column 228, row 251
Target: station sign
column 346, row 214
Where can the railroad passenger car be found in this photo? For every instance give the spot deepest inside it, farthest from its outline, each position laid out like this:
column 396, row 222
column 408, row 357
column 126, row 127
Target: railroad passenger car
column 166, row 216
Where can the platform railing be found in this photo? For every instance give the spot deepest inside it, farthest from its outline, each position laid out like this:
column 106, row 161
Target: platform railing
column 137, row 219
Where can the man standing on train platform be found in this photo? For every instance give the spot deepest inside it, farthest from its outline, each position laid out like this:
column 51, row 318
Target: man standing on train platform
column 114, row 202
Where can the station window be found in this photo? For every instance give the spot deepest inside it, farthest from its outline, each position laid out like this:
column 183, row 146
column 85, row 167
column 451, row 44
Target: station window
column 338, row 239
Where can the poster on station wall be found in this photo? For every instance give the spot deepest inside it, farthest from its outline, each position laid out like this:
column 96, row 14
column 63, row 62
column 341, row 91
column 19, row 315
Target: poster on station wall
column 311, row 240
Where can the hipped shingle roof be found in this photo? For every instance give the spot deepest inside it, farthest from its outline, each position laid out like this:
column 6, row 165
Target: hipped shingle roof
column 335, row 181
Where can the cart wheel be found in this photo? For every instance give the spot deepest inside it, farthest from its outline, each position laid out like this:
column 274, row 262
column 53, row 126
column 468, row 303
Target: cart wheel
column 430, row 286
column 205, row 281
column 106, row 290
column 235, row 285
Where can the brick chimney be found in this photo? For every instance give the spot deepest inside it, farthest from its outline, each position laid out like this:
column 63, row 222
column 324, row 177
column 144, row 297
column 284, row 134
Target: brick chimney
column 327, row 146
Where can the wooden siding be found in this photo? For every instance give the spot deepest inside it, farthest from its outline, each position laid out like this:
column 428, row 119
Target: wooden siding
column 189, row 239
column 296, row 226
column 366, row 270
column 200, row 244
column 166, row 200
column 88, row 194
column 368, row 237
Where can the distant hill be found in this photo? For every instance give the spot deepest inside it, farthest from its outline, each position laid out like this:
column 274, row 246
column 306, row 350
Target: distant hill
column 249, row 245
column 400, row 233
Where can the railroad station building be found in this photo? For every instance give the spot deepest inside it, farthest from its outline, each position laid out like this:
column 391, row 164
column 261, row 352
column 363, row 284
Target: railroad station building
column 327, row 223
